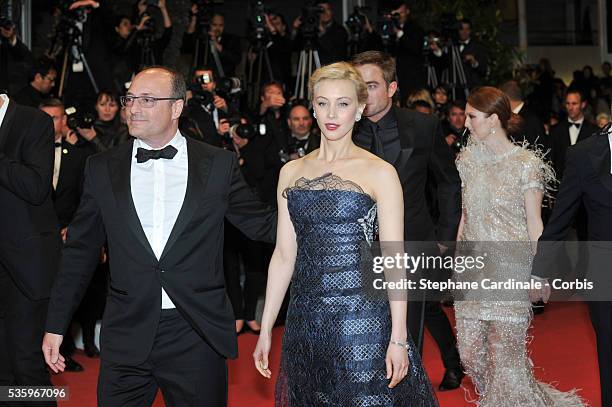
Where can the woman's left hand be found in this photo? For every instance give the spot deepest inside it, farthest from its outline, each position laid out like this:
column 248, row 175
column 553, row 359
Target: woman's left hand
column 397, row 364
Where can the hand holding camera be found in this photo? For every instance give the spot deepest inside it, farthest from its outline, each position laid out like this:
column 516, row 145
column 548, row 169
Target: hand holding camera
column 84, row 3
column 224, row 127
column 220, row 103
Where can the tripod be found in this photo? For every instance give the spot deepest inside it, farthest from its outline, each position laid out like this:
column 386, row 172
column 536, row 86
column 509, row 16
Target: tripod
column 209, row 49
column 309, row 58
column 73, row 54
column 457, row 73
column 432, row 77
column 147, row 56
column 254, row 83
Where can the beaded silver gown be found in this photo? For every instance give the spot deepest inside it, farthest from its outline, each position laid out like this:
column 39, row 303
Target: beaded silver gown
column 492, row 334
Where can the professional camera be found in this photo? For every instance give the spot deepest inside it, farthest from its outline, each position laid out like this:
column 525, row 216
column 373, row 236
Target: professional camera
column 77, row 15
column 431, row 39
column 204, row 15
column 242, row 130
column 450, row 27
column 83, row 120
column 386, row 25
column 259, row 25
column 356, row 21
column 200, row 96
column 229, row 86
column 6, row 23
column 310, row 19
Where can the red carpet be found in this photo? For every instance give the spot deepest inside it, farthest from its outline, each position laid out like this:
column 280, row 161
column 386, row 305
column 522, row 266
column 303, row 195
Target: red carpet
column 563, row 349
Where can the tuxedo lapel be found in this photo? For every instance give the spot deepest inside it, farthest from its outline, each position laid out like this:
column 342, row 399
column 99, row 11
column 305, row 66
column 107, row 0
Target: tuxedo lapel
column 7, row 123
column 600, row 157
column 406, row 131
column 198, row 164
column 120, row 166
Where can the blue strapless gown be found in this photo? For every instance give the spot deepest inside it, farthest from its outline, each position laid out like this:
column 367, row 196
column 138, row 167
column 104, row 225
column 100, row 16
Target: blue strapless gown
column 336, row 337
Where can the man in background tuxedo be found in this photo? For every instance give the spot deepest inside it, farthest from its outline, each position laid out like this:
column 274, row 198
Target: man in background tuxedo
column 29, row 241
column 414, row 144
column 567, row 133
column 533, row 128
column 302, row 138
column 160, row 202
column 68, row 167
column 587, row 180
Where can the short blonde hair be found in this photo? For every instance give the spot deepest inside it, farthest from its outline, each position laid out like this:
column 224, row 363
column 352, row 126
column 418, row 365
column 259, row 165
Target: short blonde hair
column 420, row 95
column 340, row 70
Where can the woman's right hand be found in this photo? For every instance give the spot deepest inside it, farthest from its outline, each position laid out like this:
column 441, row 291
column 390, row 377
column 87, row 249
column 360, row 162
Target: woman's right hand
column 262, row 351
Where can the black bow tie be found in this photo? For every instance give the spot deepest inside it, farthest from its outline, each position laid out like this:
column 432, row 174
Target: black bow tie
column 144, row 155
column 575, row 124
column 57, row 144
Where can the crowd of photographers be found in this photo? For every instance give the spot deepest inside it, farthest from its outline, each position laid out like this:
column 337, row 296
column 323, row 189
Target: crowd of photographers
column 259, row 118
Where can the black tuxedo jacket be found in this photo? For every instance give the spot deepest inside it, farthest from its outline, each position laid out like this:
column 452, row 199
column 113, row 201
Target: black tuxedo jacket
column 587, row 181
column 29, row 238
column 424, row 150
column 67, row 194
column 560, row 141
column 190, row 268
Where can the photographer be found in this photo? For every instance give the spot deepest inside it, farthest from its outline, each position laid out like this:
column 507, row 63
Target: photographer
column 204, row 115
column 16, row 60
column 279, row 48
column 255, row 255
column 472, row 53
column 453, row 126
column 91, row 23
column 148, row 49
column 271, row 116
column 331, row 38
column 105, row 131
column 406, row 45
column 207, row 27
column 42, row 80
column 302, row 139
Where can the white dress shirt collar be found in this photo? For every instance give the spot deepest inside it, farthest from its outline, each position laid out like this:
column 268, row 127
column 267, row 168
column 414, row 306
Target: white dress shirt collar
column 610, row 141
column 178, row 141
column 3, row 109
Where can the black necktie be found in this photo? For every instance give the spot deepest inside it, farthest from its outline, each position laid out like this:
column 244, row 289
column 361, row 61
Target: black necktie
column 144, row 155
column 377, row 146
column 575, row 124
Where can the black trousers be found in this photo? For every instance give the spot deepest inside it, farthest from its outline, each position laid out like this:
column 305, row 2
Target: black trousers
column 439, row 327
column 253, row 254
column 22, row 325
column 601, row 318
column 186, row 369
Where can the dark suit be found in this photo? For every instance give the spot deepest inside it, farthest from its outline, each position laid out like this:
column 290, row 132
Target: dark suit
column 560, row 141
column 587, row 180
column 422, row 149
column 190, row 269
column 67, row 193
column 408, row 52
column 29, row 242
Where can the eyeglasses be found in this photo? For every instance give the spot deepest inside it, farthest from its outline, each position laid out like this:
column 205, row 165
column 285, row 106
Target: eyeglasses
column 143, row 101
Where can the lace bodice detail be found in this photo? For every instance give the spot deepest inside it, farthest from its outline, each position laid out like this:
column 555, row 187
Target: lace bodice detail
column 330, row 201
